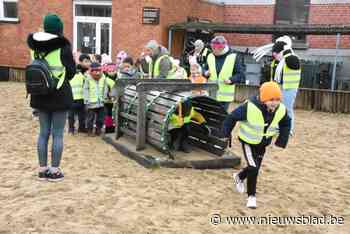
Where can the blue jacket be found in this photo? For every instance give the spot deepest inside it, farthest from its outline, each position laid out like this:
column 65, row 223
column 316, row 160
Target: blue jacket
column 237, row 74
column 240, row 114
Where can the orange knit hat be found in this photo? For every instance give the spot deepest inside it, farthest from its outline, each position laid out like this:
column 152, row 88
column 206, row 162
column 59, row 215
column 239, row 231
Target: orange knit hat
column 270, row 90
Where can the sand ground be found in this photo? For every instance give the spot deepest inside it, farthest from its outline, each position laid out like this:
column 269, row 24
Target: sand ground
column 104, row 192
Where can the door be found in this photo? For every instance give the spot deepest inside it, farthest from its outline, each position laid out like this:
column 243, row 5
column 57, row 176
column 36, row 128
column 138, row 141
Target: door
column 93, row 27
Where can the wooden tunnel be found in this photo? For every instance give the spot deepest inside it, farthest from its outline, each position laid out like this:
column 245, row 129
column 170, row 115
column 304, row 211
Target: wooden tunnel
column 159, row 108
column 142, row 112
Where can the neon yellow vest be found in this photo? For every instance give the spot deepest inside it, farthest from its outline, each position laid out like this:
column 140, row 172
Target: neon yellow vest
column 55, row 64
column 225, row 93
column 252, row 130
column 110, row 84
column 77, row 84
column 156, row 68
column 97, row 89
column 291, row 77
column 205, row 52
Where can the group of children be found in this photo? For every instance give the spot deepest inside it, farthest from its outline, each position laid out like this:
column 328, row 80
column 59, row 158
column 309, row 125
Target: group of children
column 92, row 92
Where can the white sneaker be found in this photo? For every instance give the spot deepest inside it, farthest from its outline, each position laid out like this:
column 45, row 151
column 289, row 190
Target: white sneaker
column 251, row 202
column 238, row 183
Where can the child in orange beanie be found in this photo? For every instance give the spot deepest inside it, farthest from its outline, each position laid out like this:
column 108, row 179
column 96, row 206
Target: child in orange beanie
column 261, row 118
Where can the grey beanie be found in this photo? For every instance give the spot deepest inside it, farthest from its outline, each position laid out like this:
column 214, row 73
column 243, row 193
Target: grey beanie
column 152, row 44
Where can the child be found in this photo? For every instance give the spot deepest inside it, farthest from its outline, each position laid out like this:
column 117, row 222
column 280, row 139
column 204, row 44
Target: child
column 77, row 84
column 260, row 119
column 179, row 125
column 110, row 72
column 197, row 78
column 127, row 69
column 95, row 91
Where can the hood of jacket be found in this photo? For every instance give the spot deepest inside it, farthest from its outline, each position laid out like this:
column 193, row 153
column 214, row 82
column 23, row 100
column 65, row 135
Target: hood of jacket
column 46, row 42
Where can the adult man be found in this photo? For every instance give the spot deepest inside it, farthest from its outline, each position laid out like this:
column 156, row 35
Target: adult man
column 223, row 67
column 158, row 60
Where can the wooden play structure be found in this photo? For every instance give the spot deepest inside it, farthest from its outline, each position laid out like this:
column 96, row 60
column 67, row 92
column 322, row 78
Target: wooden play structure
column 142, row 113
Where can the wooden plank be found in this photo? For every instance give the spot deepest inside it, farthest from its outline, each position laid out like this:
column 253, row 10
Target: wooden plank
column 141, row 122
column 209, row 139
column 207, row 147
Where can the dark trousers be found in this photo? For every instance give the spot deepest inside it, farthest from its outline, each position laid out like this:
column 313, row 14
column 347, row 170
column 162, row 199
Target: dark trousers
column 254, row 156
column 96, row 116
column 179, row 136
column 78, row 109
column 225, row 105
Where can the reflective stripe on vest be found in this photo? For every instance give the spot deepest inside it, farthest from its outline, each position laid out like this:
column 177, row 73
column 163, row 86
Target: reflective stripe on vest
column 252, row 130
column 225, row 92
column 54, row 61
column 77, row 84
column 291, row 77
column 96, row 90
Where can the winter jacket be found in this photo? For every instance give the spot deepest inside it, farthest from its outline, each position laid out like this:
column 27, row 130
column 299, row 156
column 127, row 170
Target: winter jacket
column 240, row 114
column 165, row 64
column 237, row 73
column 61, row 99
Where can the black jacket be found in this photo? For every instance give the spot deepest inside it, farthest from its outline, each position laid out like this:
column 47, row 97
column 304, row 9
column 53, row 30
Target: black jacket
column 240, row 114
column 62, row 98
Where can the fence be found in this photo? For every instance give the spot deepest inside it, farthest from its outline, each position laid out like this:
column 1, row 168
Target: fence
column 308, row 99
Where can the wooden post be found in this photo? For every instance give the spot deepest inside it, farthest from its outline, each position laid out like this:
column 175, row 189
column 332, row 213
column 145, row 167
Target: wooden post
column 118, row 93
column 141, row 121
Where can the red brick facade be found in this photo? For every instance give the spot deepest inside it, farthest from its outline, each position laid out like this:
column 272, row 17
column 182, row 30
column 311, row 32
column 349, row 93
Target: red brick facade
column 130, row 34
column 329, row 14
column 249, row 14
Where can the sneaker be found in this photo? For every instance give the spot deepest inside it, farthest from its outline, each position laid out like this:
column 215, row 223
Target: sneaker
column 251, row 202
column 43, row 175
column 55, row 176
column 238, row 183
column 185, row 147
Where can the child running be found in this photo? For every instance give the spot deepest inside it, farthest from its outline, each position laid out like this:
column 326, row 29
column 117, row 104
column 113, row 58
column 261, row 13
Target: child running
column 261, row 118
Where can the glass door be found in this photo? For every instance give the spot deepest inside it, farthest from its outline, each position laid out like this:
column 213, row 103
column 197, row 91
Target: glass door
column 86, row 37
column 93, row 27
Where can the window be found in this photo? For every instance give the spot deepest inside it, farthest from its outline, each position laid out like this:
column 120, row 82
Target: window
column 293, row 12
column 8, row 10
column 93, row 10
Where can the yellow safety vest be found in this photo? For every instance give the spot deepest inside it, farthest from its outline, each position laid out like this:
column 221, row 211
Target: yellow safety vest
column 225, row 93
column 97, row 89
column 177, row 122
column 291, row 77
column 252, row 132
column 205, row 52
column 110, row 84
column 156, row 68
column 55, row 65
column 77, row 84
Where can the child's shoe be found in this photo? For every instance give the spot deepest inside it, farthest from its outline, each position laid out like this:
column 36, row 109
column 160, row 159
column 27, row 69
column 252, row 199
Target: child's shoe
column 251, row 202
column 238, row 183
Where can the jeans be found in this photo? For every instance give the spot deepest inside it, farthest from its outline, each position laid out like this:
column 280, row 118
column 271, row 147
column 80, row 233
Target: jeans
column 95, row 115
column 51, row 123
column 289, row 96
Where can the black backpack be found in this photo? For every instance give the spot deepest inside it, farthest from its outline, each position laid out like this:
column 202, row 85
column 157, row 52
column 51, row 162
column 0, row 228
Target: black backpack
column 38, row 76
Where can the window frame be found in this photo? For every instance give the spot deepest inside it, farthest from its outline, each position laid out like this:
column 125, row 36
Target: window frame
column 2, row 11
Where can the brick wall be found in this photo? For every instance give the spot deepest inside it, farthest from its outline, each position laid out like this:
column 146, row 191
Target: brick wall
column 248, row 14
column 329, row 14
column 13, row 36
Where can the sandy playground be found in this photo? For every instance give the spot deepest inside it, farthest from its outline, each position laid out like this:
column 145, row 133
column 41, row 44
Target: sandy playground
column 104, row 192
